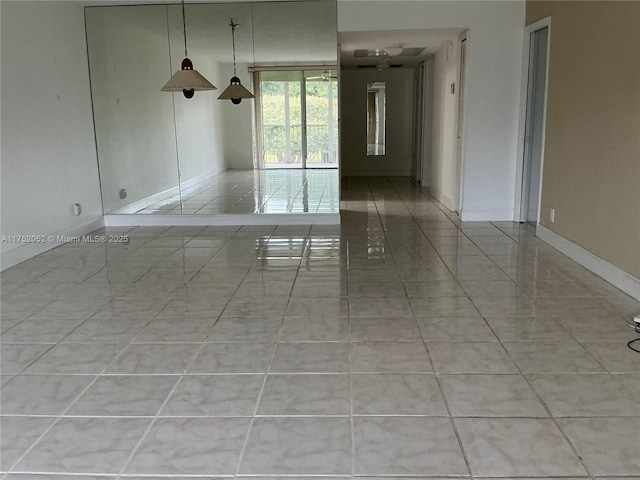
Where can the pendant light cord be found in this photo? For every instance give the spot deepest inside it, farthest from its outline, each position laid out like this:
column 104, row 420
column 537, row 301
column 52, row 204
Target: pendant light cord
column 233, row 44
column 184, row 30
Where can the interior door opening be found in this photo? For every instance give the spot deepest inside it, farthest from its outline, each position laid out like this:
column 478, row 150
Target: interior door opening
column 534, row 127
column 298, row 118
column 459, row 165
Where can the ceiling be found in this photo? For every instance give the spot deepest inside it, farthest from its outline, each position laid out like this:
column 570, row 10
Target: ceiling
column 432, row 40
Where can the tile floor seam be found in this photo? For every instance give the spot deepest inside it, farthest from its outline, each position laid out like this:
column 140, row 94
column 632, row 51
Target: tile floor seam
column 554, row 420
column 155, row 417
column 58, row 418
column 256, row 407
column 448, row 408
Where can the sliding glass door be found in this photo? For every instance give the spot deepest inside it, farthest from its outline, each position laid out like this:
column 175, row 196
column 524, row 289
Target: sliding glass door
column 298, row 119
column 321, row 98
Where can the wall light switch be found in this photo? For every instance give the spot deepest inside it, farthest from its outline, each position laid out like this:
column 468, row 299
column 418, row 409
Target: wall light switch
column 450, row 51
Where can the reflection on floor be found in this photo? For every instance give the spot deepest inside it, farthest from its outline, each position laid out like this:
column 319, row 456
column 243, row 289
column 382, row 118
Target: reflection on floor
column 401, row 343
column 252, row 191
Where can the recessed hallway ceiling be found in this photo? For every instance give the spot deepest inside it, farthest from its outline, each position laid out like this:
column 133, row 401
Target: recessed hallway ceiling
column 431, row 40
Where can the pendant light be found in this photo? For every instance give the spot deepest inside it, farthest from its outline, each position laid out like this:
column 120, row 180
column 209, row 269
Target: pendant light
column 235, row 91
column 187, row 79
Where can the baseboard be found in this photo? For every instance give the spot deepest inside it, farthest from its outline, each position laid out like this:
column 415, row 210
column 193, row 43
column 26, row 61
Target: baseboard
column 375, row 173
column 609, row 272
column 29, row 250
column 222, row 219
column 486, row 215
column 145, row 202
column 442, row 198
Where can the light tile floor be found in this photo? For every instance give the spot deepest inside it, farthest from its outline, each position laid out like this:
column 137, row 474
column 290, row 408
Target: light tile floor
column 251, row 191
column 402, row 343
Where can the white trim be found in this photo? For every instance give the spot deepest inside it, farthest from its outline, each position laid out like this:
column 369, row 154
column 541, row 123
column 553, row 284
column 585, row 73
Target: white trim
column 384, row 172
column 145, row 202
column 457, row 196
column 289, row 67
column 502, row 215
column 524, row 87
column 609, row 272
column 440, row 197
column 25, row 252
column 223, row 219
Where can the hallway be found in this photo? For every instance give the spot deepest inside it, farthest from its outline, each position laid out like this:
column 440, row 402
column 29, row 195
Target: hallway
column 400, row 343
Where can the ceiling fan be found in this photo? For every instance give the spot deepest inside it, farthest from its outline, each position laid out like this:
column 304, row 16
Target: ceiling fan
column 394, row 51
column 324, row 77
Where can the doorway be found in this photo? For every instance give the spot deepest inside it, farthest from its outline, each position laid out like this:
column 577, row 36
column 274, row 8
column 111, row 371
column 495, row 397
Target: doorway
column 297, row 118
column 531, row 187
column 459, row 159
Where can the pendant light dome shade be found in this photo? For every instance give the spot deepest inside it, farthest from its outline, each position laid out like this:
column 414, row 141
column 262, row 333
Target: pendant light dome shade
column 187, row 80
column 235, row 92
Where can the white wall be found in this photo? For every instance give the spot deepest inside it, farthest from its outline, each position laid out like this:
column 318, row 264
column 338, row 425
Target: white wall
column 238, row 128
column 199, row 120
column 143, row 133
column 129, row 60
column 445, row 116
column 48, row 149
column 399, row 122
column 493, row 86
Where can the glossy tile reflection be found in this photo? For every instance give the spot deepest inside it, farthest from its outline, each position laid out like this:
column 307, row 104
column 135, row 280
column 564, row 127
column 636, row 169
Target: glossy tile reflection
column 250, row 191
column 401, row 343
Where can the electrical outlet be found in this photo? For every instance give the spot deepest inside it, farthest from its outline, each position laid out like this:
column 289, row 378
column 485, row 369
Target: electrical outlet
column 552, row 215
column 637, row 319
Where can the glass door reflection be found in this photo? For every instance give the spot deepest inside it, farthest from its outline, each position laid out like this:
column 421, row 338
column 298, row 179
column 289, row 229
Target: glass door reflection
column 281, row 119
column 321, row 107
column 299, row 118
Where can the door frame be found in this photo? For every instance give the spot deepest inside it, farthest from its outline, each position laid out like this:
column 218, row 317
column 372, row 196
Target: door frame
column 521, row 172
column 457, row 176
column 418, row 123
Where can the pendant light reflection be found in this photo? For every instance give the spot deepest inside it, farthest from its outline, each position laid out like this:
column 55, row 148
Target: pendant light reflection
column 187, row 79
column 235, row 91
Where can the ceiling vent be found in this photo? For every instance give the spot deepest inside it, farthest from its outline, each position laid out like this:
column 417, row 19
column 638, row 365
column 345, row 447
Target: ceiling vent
column 412, row 52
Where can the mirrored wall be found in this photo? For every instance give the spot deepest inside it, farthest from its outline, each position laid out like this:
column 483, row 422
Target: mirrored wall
column 161, row 153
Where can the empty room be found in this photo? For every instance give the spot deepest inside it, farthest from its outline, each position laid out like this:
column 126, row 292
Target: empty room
column 320, row 239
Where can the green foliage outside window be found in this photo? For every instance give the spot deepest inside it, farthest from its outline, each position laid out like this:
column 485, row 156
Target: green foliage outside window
column 273, row 115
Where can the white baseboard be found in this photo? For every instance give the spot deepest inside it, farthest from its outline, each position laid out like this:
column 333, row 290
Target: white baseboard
column 486, row 215
column 145, row 202
column 442, row 198
column 375, row 173
column 28, row 250
column 222, row 219
column 609, row 272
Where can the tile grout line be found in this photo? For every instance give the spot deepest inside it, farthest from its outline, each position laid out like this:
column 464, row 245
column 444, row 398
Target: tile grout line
column 424, row 344
column 157, row 415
